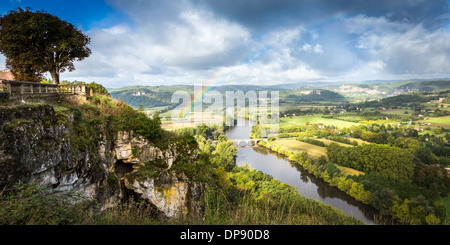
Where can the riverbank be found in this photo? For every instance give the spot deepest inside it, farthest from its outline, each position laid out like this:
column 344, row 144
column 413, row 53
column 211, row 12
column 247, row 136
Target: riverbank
column 400, row 200
column 330, row 173
column 279, row 167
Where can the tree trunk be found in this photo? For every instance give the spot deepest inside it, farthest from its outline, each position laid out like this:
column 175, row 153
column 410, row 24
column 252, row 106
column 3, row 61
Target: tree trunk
column 55, row 75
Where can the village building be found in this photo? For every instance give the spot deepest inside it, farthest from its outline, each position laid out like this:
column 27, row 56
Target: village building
column 6, row 75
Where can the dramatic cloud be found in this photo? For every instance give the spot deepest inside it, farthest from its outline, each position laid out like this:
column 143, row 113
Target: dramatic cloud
column 402, row 48
column 265, row 41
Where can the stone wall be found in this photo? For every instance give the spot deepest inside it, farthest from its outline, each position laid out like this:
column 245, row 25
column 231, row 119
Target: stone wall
column 17, row 90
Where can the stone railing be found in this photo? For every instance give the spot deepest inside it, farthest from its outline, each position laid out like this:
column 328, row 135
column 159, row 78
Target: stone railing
column 16, row 89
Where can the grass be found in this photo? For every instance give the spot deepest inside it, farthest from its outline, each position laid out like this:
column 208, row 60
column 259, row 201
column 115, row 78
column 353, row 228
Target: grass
column 397, row 111
column 446, row 202
column 316, row 151
column 314, row 119
column 31, row 205
column 438, row 121
column 194, row 119
column 360, row 141
column 327, row 142
column 291, row 106
column 349, row 171
column 297, row 146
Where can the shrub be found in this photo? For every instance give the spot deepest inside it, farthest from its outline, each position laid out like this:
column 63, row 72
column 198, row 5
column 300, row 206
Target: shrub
column 31, row 204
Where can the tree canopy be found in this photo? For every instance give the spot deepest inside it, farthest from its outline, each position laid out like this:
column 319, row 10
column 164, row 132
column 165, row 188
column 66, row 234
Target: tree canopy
column 38, row 42
column 387, row 161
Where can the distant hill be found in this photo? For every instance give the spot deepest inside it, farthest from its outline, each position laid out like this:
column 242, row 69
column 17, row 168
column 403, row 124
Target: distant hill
column 380, row 90
column 147, row 96
column 309, row 95
column 427, row 86
column 157, row 96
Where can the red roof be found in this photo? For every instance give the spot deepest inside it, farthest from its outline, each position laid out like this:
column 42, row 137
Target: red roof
column 7, row 75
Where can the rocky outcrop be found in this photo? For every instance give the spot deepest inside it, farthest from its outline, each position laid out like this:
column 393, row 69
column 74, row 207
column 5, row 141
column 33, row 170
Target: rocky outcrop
column 38, row 145
column 135, row 149
column 36, row 148
column 171, row 195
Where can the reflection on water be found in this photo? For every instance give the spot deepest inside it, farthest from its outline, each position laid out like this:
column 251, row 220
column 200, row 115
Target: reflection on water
column 279, row 167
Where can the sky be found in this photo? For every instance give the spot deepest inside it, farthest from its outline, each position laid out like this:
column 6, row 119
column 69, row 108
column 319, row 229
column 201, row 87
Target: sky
column 260, row 42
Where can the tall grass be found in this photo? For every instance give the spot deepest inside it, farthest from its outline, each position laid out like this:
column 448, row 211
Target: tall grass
column 31, row 205
column 270, row 210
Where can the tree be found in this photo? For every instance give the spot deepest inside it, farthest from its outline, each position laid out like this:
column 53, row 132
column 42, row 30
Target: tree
column 38, row 42
column 225, row 155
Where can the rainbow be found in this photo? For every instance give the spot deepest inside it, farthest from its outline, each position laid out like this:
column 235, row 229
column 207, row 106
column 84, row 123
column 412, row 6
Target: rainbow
column 273, row 39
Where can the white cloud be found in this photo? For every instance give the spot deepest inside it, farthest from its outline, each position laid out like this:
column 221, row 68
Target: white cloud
column 316, row 48
column 195, row 40
column 196, row 46
column 403, row 48
column 173, row 42
column 2, row 62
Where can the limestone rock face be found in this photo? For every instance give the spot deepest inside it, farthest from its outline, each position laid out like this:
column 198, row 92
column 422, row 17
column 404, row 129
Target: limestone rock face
column 34, row 147
column 171, row 195
column 135, row 149
column 37, row 146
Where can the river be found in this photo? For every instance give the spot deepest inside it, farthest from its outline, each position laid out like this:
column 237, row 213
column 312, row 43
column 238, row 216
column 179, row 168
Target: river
column 279, row 167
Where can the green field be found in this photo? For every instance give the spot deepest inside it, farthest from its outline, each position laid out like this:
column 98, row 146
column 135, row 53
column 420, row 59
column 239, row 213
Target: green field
column 397, row 111
column 314, row 119
column 438, row 121
column 349, row 171
column 327, row 142
column 297, row 146
column 360, row 141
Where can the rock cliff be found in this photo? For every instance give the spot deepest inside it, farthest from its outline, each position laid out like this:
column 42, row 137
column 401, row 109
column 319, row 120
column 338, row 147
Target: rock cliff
column 37, row 144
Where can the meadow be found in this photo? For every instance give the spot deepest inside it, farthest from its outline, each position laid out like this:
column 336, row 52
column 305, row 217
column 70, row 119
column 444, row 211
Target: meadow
column 438, row 121
column 298, row 147
column 314, row 119
column 327, row 142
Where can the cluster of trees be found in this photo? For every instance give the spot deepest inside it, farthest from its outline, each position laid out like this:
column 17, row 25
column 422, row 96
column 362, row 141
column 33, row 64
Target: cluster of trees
column 298, row 96
column 256, row 196
column 37, row 42
column 300, row 112
column 404, row 199
column 408, row 99
column 97, row 88
column 389, row 162
column 366, row 116
column 342, row 140
column 428, row 149
column 149, row 99
column 311, row 141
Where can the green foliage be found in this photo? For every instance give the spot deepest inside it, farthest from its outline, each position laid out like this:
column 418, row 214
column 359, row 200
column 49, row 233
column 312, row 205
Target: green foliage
column 38, row 42
column 148, row 96
column 298, row 96
column 404, row 200
column 97, row 88
column 15, row 124
column 368, row 117
column 225, row 155
column 30, row 204
column 391, row 162
column 435, row 179
column 128, row 119
column 252, row 197
column 399, row 100
column 343, row 140
column 311, row 141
